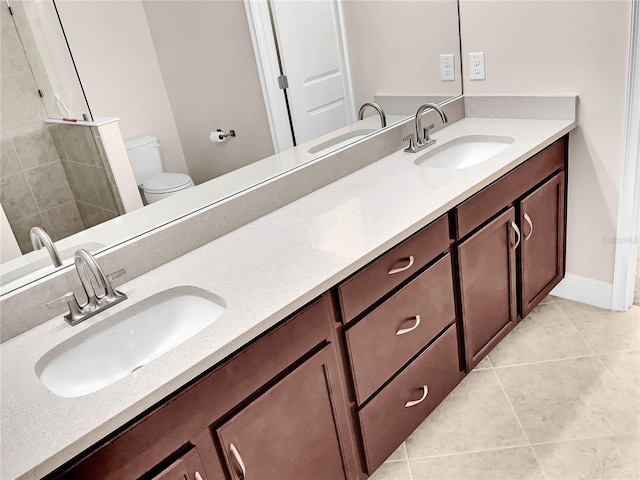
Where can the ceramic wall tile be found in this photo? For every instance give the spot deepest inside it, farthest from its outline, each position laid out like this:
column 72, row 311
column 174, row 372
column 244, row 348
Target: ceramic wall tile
column 49, row 185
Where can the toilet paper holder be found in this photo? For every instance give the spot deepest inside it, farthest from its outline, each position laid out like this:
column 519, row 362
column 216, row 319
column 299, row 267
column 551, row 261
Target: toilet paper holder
column 220, row 136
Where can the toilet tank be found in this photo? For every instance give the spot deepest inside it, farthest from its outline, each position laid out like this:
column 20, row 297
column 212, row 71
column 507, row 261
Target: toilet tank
column 144, row 156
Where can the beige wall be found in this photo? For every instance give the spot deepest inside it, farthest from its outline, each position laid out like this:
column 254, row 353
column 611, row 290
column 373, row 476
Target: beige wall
column 118, row 67
column 211, row 38
column 395, row 46
column 565, row 47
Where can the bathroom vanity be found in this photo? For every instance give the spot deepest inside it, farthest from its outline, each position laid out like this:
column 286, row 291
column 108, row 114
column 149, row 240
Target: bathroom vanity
column 334, row 389
column 350, row 314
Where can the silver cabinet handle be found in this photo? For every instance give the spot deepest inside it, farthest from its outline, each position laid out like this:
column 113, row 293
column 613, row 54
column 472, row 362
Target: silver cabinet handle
column 198, row 476
column 425, row 392
column 398, row 270
column 402, row 331
column 528, row 220
column 238, row 459
column 517, row 230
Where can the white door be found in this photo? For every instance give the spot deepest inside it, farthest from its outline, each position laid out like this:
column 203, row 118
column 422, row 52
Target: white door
column 311, row 53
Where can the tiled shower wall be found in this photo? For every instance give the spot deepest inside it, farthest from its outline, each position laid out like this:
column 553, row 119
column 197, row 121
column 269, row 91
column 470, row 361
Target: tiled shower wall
column 34, row 190
column 62, row 186
column 88, row 172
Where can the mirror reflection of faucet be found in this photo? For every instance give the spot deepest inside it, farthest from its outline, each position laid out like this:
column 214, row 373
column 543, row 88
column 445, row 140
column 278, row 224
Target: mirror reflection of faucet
column 40, row 239
column 383, row 117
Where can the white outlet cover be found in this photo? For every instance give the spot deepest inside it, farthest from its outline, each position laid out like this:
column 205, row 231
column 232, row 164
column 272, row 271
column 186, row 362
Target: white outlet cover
column 447, row 67
column 476, row 66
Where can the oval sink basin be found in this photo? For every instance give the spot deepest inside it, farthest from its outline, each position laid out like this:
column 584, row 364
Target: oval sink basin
column 342, row 140
column 464, row 152
column 128, row 340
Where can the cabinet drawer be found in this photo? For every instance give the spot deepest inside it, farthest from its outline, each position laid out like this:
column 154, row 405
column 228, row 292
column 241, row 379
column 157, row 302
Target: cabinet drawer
column 383, row 341
column 391, row 269
column 471, row 213
column 390, row 416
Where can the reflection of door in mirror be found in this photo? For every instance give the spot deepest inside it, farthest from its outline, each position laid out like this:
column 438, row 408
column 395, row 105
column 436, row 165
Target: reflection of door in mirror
column 309, row 40
column 52, row 176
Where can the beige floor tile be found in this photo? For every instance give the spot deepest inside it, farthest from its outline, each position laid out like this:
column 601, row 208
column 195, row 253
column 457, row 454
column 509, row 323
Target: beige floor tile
column 569, row 400
column 545, row 334
column 484, row 364
column 475, row 416
column 549, row 299
column 508, row 464
column 398, row 470
column 399, row 454
column 611, row 458
column 626, row 367
column 606, row 331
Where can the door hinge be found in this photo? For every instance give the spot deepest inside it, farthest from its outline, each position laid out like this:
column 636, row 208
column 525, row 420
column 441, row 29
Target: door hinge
column 41, row 93
column 283, row 82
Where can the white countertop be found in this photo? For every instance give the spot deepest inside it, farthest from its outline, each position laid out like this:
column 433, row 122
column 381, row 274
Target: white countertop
column 264, row 271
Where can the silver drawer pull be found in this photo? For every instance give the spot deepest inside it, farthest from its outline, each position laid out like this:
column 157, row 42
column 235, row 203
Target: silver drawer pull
column 517, row 230
column 402, row 331
column 425, row 392
column 198, row 476
column 398, row 270
column 238, row 459
column 528, row 220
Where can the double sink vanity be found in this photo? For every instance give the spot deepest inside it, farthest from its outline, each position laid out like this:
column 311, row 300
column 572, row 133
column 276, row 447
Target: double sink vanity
column 311, row 342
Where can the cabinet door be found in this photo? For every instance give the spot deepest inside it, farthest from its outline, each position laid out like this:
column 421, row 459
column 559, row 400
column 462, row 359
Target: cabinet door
column 291, row 431
column 543, row 233
column 487, row 265
column 187, row 467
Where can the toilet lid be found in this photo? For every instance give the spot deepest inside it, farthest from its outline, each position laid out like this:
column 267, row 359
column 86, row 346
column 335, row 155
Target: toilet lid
column 167, row 182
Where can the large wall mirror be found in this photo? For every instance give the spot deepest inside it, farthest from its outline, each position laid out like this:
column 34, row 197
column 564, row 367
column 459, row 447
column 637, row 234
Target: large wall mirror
column 178, row 70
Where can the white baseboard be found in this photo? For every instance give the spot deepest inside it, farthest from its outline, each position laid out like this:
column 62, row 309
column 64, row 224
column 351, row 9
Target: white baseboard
column 585, row 290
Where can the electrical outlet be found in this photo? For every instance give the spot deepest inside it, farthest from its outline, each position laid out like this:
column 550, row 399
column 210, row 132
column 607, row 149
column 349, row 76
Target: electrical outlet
column 447, row 67
column 476, row 66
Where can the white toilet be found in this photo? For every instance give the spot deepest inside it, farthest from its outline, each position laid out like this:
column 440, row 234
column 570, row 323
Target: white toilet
column 144, row 155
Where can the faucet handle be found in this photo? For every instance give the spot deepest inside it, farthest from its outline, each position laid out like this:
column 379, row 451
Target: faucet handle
column 412, row 143
column 425, row 133
column 75, row 315
column 67, row 298
column 117, row 274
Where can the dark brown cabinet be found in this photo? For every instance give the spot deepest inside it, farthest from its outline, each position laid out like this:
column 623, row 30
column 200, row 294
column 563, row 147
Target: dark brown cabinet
column 397, row 410
column 508, row 265
column 387, row 338
column 331, row 391
column 187, row 467
column 487, row 262
column 542, row 246
column 291, row 431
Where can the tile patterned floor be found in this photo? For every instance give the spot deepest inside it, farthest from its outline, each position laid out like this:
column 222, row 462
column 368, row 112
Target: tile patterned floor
column 559, row 398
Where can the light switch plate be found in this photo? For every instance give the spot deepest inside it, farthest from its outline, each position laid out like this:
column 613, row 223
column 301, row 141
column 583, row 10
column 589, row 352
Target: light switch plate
column 447, row 67
column 476, row 66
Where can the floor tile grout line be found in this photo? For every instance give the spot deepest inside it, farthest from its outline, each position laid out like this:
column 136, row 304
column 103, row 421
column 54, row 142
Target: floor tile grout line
column 469, row 452
column 545, row 361
column 406, row 452
column 544, row 475
column 594, row 350
column 585, row 439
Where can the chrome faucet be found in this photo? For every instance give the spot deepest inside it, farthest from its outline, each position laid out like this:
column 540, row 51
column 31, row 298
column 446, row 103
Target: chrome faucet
column 383, row 118
column 91, row 276
column 421, row 139
column 39, row 239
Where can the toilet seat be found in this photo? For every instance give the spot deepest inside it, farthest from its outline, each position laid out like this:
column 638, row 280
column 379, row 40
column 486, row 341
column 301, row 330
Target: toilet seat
column 164, row 185
column 167, row 183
